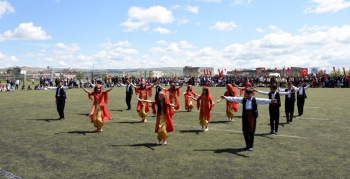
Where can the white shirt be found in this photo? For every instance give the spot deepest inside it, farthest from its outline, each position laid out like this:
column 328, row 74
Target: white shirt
column 61, row 88
column 300, row 89
column 248, row 104
column 273, row 94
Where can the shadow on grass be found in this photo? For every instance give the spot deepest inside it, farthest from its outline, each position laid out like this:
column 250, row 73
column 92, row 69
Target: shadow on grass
column 147, row 145
column 129, row 122
column 191, row 131
column 119, row 110
column 220, row 122
column 47, row 120
column 228, row 150
column 76, row 132
column 266, row 135
column 84, row 114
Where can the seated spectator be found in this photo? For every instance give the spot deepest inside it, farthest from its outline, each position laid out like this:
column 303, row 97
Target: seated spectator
column 12, row 88
column 23, row 87
column 29, row 88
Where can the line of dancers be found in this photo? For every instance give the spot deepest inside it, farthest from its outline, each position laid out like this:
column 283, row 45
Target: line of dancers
column 167, row 103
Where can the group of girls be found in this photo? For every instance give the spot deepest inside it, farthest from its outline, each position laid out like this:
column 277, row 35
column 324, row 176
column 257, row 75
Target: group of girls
column 163, row 107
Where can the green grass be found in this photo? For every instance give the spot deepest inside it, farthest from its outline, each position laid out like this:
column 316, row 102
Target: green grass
column 35, row 145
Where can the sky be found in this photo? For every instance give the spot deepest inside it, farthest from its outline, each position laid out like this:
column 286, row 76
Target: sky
column 230, row 34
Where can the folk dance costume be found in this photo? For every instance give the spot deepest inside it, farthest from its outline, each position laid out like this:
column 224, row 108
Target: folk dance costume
column 301, row 96
column 249, row 114
column 274, row 108
column 289, row 102
column 143, row 107
column 174, row 93
column 164, row 114
column 231, row 107
column 205, row 104
column 242, row 89
column 99, row 111
column 188, row 100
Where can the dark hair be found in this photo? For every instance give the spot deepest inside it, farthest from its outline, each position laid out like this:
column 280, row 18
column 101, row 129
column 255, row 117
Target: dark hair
column 273, row 87
column 249, row 90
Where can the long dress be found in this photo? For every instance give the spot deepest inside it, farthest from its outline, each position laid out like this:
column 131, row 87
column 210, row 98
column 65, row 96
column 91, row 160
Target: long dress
column 99, row 111
column 231, row 107
column 173, row 97
column 204, row 104
column 143, row 107
column 188, row 100
column 164, row 123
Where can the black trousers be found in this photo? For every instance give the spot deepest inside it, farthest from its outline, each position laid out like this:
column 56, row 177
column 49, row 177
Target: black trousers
column 274, row 118
column 300, row 104
column 248, row 136
column 289, row 109
column 60, row 107
column 128, row 100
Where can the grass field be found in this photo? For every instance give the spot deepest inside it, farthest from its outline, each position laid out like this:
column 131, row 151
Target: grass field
column 34, row 144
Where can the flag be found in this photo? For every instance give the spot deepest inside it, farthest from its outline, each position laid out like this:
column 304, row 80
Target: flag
column 210, row 71
column 275, row 70
column 264, row 72
column 288, row 71
column 235, row 73
column 304, row 72
column 344, row 71
column 256, row 71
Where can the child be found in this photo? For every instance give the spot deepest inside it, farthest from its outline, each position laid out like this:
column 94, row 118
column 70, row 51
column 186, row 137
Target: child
column 188, row 100
column 164, row 114
column 249, row 114
column 99, row 112
column 274, row 108
column 205, row 104
column 230, row 106
column 174, row 93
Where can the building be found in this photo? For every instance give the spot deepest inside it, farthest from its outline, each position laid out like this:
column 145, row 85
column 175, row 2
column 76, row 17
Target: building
column 190, row 71
column 157, row 74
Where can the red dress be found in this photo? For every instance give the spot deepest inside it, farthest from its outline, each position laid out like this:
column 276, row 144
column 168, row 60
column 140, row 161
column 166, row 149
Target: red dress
column 143, row 95
column 168, row 113
column 188, row 99
column 102, row 100
column 204, row 104
column 173, row 97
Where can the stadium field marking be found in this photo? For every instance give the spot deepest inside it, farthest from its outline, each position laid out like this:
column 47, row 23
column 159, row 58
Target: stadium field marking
column 8, row 175
column 299, row 137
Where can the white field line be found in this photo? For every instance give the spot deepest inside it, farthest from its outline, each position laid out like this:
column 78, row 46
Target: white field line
column 299, row 137
column 8, row 175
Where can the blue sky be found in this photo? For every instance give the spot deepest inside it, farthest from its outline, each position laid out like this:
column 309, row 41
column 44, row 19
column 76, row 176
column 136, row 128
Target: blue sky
column 157, row 33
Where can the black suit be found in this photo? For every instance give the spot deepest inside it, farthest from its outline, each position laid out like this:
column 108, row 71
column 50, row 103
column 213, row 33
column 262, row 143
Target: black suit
column 61, row 101
column 289, row 106
column 248, row 135
column 301, row 101
column 274, row 111
column 128, row 97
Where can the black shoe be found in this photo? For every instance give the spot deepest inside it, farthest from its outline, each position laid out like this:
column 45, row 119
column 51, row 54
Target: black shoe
column 61, row 118
column 128, row 109
column 271, row 132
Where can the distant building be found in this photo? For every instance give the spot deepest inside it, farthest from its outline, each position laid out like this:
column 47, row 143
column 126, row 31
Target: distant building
column 157, row 74
column 190, row 71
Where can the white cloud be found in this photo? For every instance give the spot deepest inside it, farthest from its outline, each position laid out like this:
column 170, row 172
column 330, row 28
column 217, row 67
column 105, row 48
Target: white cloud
column 240, row 2
column 161, row 30
column 183, row 21
column 327, row 6
column 5, row 7
column 275, row 29
column 25, row 31
column 307, row 29
column 210, row 0
column 175, row 7
column 108, row 45
column 154, row 14
column 63, row 51
column 224, row 25
column 193, row 9
column 162, row 42
column 260, row 30
column 7, row 61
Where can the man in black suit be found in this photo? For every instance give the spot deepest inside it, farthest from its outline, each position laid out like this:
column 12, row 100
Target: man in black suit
column 61, row 99
column 129, row 92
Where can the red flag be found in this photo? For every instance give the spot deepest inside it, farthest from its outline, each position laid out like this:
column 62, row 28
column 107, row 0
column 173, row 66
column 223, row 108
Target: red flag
column 256, row 71
column 235, row 72
column 288, row 71
column 344, row 71
column 304, row 72
column 264, row 72
column 275, row 70
column 324, row 74
column 283, row 71
column 210, row 71
column 334, row 69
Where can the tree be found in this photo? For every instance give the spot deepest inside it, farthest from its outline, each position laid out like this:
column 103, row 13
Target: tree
column 79, row 75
